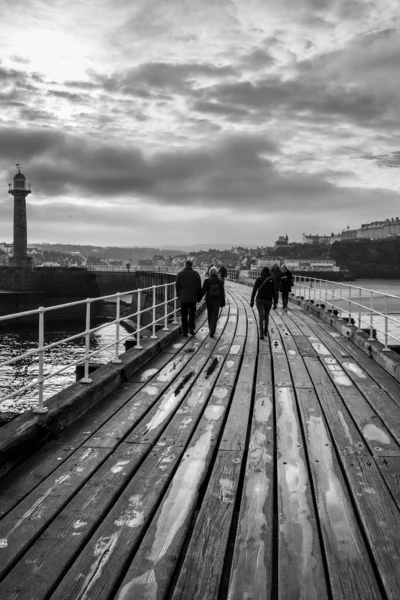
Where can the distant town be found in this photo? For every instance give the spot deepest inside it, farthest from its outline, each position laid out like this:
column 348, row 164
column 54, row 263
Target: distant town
column 312, row 254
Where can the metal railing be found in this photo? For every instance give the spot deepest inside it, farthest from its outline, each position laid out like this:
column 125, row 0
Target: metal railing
column 169, row 302
column 132, row 268
column 359, row 306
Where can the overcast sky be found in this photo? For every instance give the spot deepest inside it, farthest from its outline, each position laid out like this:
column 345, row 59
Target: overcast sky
column 190, row 121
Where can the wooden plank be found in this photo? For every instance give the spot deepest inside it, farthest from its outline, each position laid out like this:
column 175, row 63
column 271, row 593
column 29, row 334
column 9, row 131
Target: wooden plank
column 304, row 347
column 376, row 436
column 351, row 573
column 94, row 572
column 36, row 574
column 30, row 517
column 27, row 476
column 390, row 471
column 342, row 427
column 201, row 572
column 380, row 518
column 251, row 573
column 203, row 393
column 160, row 414
column 97, row 569
column 153, row 367
column 299, row 373
column 375, row 371
column 300, row 564
column 234, row 433
column 230, row 370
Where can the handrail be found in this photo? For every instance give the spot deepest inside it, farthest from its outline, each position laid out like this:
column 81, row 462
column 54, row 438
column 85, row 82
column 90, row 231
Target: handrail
column 347, row 304
column 166, row 291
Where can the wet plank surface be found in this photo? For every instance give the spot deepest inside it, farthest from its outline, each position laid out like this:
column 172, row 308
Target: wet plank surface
column 230, row 468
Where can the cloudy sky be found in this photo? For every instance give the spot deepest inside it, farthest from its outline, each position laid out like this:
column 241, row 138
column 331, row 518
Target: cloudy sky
column 191, row 121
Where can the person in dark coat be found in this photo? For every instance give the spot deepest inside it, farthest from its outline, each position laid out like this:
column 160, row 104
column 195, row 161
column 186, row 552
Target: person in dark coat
column 286, row 282
column 276, row 276
column 214, row 291
column 188, row 290
column 264, row 287
column 223, row 273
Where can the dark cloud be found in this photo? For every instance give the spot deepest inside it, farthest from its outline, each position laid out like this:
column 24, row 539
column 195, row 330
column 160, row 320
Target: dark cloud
column 256, row 59
column 169, row 77
column 390, row 160
column 296, row 96
column 232, row 171
column 217, row 108
column 79, row 98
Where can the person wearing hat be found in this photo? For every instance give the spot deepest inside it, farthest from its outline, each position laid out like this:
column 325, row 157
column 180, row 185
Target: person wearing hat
column 276, row 276
column 214, row 291
column 188, row 290
column 286, row 282
column 264, row 287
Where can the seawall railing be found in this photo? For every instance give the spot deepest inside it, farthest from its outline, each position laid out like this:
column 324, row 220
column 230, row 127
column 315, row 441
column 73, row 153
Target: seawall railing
column 164, row 299
column 376, row 312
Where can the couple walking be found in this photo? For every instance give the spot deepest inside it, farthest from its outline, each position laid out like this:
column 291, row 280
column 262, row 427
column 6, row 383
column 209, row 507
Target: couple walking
column 267, row 289
column 190, row 292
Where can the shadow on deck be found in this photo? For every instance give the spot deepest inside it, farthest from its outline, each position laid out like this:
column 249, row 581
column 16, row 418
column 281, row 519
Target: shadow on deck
column 227, row 468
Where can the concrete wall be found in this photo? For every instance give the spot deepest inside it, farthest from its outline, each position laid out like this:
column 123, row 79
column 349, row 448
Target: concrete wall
column 57, row 285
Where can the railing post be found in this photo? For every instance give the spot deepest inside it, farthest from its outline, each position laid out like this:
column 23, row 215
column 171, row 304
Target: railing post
column 116, row 360
column 340, row 318
column 386, row 348
column 175, row 321
column 326, row 294
column 86, row 378
column 371, row 322
column 349, row 322
column 165, row 307
column 153, row 336
column 40, row 408
column 138, row 319
column 359, row 310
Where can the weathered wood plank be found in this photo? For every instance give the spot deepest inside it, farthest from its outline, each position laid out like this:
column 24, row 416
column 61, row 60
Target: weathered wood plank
column 380, row 518
column 351, row 573
column 304, row 346
column 375, row 371
column 167, row 529
column 42, row 566
column 376, row 436
column 390, row 470
column 30, row 517
column 300, row 565
column 342, row 427
column 234, row 433
column 201, row 572
column 160, row 414
column 251, row 573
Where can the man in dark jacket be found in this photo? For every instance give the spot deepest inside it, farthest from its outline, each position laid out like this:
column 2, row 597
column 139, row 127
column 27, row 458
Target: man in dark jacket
column 286, row 284
column 214, row 291
column 264, row 287
column 276, row 274
column 188, row 290
column 223, row 273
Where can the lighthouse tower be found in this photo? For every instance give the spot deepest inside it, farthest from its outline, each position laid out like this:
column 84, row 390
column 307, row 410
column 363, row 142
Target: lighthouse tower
column 20, row 189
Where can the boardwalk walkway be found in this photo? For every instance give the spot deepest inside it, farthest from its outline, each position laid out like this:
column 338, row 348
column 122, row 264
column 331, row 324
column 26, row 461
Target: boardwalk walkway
column 227, row 468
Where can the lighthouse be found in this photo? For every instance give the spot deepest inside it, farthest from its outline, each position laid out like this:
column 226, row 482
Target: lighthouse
column 20, row 189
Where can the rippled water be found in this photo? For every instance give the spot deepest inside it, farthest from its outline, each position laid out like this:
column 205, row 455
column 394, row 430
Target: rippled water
column 19, row 374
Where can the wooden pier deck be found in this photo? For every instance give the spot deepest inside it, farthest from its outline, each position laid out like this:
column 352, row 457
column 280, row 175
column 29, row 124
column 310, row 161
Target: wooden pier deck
column 229, row 468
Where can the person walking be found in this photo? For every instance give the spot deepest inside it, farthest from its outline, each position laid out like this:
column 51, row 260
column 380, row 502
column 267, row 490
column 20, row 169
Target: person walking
column 276, row 275
column 264, row 287
column 223, row 273
column 188, row 290
column 286, row 282
column 214, row 291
